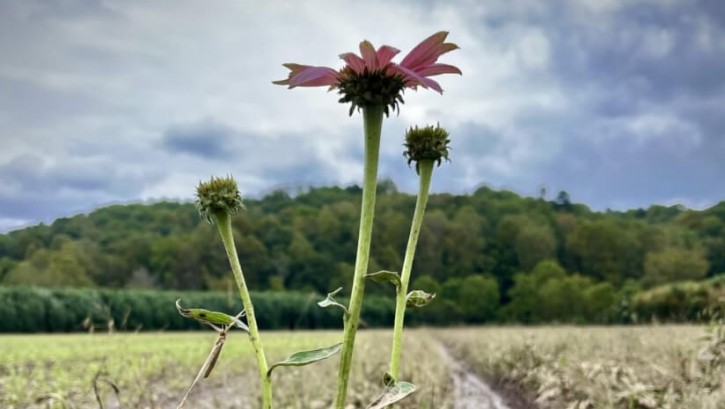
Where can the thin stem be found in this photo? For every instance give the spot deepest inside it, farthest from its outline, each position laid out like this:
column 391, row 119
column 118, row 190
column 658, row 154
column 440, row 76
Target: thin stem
column 224, row 224
column 373, row 122
column 425, row 167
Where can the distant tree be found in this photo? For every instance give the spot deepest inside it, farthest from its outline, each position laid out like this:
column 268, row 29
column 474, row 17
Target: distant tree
column 478, row 297
column 65, row 267
column 604, row 251
column 429, row 254
column 600, row 301
column 563, row 299
column 563, row 201
column 276, row 283
column 341, row 276
column 6, row 264
column 463, row 244
column 427, row 284
column 448, row 299
column 525, row 295
column 386, row 187
column 674, row 264
column 716, row 255
column 533, row 244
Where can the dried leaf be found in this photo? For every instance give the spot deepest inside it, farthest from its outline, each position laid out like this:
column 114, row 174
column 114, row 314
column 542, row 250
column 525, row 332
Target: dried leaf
column 394, row 393
column 383, row 276
column 419, row 299
column 331, row 302
column 307, row 357
column 211, row 317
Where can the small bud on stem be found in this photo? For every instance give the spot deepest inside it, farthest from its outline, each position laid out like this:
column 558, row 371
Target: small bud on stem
column 218, row 195
column 429, row 143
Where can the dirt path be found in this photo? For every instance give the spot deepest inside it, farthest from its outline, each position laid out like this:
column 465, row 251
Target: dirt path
column 470, row 391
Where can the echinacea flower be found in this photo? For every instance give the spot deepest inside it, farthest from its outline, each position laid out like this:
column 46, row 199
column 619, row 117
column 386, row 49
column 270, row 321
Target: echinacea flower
column 372, row 77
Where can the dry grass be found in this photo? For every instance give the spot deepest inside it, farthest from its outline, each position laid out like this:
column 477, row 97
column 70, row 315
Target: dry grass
column 600, row 367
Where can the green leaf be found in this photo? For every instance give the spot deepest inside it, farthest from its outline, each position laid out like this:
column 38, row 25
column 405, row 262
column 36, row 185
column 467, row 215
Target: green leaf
column 307, row 357
column 331, row 302
column 210, row 317
column 383, row 276
column 394, row 393
column 418, row 299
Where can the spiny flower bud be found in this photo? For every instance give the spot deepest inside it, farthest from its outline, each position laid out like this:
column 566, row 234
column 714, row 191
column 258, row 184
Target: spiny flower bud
column 429, row 143
column 218, row 195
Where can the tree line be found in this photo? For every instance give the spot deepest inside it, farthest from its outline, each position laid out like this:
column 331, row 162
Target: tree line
column 489, row 255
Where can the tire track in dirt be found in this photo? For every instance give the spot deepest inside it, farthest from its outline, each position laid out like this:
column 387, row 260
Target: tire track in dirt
column 470, row 391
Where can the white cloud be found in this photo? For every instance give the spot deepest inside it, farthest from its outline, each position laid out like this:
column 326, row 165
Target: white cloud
column 93, row 89
column 677, row 135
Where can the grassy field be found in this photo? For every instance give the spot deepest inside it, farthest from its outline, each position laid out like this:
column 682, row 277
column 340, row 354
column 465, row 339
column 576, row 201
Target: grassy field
column 152, row 370
column 558, row 367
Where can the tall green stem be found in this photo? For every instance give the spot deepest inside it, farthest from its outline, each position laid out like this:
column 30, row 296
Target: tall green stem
column 224, row 224
column 425, row 167
column 373, row 118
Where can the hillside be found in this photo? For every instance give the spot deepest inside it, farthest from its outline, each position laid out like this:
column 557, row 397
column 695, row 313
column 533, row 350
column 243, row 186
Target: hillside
column 307, row 242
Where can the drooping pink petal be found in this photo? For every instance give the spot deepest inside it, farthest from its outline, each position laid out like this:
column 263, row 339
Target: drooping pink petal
column 308, row 76
column 294, row 69
column 356, row 63
column 386, row 54
column 367, row 51
column 412, row 79
column 437, row 69
column 434, row 85
column 433, row 55
column 428, row 51
column 314, row 77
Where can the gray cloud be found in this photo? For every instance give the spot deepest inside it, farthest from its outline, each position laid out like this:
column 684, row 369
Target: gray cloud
column 33, row 187
column 619, row 103
column 206, row 139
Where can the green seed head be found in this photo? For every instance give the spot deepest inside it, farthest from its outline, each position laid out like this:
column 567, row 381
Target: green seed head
column 371, row 88
column 429, row 143
column 218, row 195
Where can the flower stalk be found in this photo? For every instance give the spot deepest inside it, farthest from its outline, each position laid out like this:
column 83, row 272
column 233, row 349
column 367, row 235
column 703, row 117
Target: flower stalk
column 425, row 169
column 224, row 225
column 217, row 200
column 373, row 123
column 426, row 147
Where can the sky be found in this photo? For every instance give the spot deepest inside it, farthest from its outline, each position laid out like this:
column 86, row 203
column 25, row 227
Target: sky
column 620, row 103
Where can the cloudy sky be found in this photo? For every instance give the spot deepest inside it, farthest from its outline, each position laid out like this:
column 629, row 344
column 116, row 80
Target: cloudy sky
column 621, row 103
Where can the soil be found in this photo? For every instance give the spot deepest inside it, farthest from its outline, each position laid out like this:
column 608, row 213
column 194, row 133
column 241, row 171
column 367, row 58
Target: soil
column 209, row 395
column 471, row 392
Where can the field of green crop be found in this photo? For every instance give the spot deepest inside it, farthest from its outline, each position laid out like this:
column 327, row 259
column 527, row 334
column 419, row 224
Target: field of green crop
column 152, row 370
column 553, row 367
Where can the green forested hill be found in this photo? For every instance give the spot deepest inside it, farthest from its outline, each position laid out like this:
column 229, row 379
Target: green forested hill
column 512, row 248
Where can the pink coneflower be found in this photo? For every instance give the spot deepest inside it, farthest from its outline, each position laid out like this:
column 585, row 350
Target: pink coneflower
column 372, row 77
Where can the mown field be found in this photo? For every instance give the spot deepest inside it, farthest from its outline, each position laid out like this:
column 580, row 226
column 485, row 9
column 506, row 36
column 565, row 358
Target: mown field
column 550, row 367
